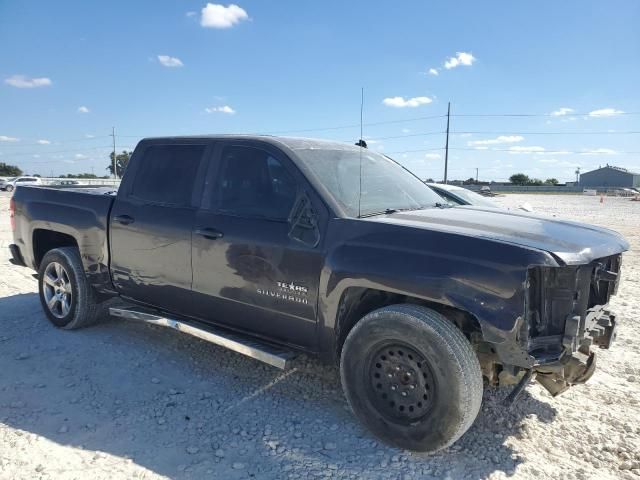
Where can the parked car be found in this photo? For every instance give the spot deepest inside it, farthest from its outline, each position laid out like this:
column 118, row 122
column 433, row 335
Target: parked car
column 456, row 196
column 4, row 180
column 270, row 246
column 66, row 182
column 11, row 184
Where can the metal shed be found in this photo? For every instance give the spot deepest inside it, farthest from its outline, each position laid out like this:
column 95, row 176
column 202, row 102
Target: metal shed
column 610, row 176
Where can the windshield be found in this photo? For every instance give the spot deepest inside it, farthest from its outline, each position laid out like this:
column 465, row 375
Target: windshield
column 473, row 198
column 385, row 184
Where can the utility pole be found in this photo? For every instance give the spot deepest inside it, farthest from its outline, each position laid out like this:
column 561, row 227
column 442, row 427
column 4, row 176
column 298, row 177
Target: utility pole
column 113, row 134
column 476, row 175
column 446, row 146
column 578, row 175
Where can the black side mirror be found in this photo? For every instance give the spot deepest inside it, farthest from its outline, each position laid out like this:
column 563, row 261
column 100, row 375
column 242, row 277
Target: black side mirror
column 303, row 221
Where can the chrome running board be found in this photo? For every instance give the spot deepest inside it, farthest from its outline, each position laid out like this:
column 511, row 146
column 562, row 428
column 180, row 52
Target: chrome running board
column 264, row 352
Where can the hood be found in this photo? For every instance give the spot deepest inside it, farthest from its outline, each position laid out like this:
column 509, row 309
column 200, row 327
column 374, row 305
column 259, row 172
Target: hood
column 572, row 242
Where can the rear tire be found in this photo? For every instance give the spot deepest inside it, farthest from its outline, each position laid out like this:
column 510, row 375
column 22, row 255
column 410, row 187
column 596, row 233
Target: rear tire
column 9, row 188
column 67, row 298
column 411, row 377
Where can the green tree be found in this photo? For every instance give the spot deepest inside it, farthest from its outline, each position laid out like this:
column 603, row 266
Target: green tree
column 535, row 182
column 122, row 160
column 551, row 181
column 9, row 170
column 469, row 181
column 519, row 179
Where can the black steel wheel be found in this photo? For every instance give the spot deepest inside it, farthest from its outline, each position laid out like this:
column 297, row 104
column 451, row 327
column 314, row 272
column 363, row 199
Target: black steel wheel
column 411, row 377
column 402, row 385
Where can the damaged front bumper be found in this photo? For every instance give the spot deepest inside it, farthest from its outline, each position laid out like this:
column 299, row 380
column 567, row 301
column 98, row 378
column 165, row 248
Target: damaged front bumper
column 566, row 317
column 578, row 361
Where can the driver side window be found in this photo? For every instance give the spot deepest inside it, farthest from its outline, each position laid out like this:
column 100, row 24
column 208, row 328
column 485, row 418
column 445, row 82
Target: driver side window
column 252, row 183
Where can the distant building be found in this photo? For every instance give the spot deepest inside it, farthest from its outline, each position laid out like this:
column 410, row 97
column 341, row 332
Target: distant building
column 609, row 176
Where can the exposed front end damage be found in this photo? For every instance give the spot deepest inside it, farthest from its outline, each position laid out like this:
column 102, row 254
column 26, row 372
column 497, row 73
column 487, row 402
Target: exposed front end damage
column 566, row 317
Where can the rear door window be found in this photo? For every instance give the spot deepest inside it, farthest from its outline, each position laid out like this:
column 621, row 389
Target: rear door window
column 167, row 174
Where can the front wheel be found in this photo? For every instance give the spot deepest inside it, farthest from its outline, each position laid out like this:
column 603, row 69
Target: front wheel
column 411, row 377
column 9, row 188
column 65, row 294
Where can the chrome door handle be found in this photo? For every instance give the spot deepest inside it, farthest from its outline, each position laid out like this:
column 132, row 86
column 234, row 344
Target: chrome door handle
column 209, row 233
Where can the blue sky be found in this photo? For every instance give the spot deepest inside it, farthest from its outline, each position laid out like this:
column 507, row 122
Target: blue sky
column 70, row 70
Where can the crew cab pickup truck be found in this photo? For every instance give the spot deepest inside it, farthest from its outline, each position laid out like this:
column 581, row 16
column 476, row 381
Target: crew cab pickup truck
column 271, row 246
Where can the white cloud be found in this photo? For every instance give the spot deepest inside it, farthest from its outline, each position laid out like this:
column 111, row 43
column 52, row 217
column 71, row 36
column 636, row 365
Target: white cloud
column 561, row 112
column 170, row 62
column 461, row 58
column 481, row 148
column 434, row 71
column 499, row 140
column 599, row 151
column 605, row 112
column 83, row 109
column 219, row 16
column 406, row 130
column 22, row 81
column 4, row 138
column 36, row 156
column 432, row 156
column 521, row 149
column 88, row 135
column 400, row 102
column 191, row 14
column 222, row 109
column 80, row 156
column 43, row 142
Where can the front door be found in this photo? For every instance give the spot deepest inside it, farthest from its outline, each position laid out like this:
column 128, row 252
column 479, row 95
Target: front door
column 151, row 224
column 248, row 271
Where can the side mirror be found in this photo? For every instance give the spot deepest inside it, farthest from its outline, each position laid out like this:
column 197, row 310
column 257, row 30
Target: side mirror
column 303, row 221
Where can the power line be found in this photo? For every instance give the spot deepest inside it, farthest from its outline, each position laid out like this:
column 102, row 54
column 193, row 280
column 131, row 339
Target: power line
column 55, row 143
column 587, row 114
column 602, row 132
column 543, row 151
column 55, row 151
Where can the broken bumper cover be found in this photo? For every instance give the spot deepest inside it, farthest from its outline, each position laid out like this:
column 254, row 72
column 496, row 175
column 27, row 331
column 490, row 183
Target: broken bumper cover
column 578, row 362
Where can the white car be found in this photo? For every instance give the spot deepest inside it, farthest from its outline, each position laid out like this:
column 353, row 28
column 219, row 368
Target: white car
column 455, row 196
column 11, row 184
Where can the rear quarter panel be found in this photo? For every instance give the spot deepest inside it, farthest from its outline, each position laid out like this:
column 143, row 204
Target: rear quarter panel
column 80, row 213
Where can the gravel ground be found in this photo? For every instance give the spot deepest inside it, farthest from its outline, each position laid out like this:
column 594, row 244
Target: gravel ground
column 127, row 400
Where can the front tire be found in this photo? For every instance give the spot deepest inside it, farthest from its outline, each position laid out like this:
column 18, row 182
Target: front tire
column 9, row 188
column 411, row 377
column 67, row 298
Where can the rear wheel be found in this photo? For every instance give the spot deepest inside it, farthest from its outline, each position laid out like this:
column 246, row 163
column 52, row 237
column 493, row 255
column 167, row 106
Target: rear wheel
column 65, row 294
column 411, row 377
column 9, row 188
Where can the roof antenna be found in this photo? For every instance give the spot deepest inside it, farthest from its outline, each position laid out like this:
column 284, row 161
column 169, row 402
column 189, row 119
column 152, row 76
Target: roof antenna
column 362, row 144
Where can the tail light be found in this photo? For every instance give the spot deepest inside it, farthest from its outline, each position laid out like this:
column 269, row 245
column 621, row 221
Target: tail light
column 12, row 214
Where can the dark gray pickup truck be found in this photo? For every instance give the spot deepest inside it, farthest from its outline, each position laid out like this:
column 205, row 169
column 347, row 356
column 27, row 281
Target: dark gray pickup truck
column 271, row 246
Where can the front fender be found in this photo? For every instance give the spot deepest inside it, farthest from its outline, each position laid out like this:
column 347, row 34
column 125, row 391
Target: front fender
column 482, row 277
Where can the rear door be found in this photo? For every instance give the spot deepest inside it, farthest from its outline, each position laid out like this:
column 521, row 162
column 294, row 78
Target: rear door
column 151, row 223
column 249, row 271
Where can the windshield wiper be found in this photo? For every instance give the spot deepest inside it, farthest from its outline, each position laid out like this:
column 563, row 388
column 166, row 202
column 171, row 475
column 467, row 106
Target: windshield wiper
column 389, row 211
column 382, row 212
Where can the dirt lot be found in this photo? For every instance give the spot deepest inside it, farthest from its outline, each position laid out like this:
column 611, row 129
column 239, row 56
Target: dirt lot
column 126, row 400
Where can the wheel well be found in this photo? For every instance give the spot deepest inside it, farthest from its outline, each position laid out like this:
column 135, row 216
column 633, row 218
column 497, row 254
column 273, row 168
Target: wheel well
column 357, row 302
column 45, row 240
